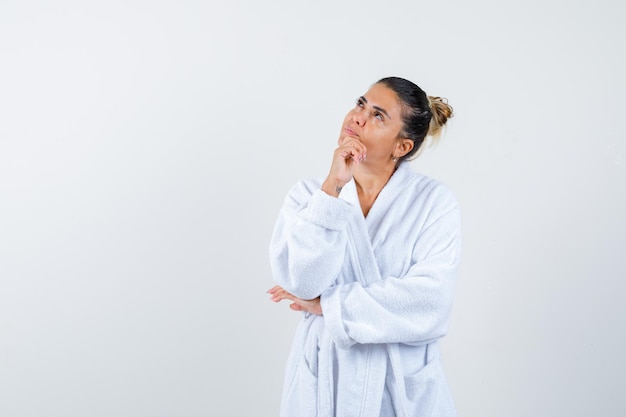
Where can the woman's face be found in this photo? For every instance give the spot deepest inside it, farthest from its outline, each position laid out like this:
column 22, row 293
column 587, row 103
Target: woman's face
column 376, row 121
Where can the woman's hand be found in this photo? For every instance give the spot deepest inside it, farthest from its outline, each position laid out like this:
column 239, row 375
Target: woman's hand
column 298, row 304
column 350, row 152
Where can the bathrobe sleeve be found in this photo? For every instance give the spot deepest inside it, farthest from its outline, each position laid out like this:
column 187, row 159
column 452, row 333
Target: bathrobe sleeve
column 308, row 245
column 414, row 308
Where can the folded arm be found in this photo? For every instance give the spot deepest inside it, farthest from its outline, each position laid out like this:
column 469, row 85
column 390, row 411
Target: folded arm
column 308, row 245
column 414, row 308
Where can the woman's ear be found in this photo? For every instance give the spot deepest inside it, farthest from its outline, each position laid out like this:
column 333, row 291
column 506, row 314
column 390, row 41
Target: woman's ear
column 404, row 146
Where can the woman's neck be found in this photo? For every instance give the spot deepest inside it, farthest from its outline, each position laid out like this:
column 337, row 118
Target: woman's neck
column 370, row 180
column 369, row 183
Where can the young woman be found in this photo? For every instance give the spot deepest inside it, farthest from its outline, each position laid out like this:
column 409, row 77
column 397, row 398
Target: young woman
column 370, row 255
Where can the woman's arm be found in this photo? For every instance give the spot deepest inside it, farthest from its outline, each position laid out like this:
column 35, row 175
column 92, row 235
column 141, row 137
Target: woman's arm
column 308, row 245
column 309, row 241
column 412, row 309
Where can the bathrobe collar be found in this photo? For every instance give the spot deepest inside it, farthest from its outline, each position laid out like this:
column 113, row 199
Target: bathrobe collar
column 398, row 181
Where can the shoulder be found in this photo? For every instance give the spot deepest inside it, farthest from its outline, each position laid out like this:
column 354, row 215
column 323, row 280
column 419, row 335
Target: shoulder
column 302, row 191
column 433, row 205
column 427, row 191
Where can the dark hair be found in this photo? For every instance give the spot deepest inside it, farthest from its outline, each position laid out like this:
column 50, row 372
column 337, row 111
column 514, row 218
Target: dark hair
column 422, row 115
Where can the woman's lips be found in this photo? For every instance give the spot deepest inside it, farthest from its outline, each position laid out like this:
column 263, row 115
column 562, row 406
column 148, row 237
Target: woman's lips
column 351, row 132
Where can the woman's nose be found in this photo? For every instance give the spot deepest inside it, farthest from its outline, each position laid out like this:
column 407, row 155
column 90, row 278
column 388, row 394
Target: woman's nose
column 358, row 118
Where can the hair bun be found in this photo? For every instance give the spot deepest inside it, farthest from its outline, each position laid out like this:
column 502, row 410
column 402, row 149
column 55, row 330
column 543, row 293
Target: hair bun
column 441, row 112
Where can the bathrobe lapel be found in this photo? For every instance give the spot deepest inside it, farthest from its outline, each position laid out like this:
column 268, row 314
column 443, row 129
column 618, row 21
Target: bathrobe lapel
column 360, row 239
column 364, row 230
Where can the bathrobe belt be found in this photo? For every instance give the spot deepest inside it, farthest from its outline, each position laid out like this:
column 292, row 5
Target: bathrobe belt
column 371, row 386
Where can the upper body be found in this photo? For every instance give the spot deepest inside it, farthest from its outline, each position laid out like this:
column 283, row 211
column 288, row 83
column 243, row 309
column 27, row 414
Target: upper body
column 370, row 254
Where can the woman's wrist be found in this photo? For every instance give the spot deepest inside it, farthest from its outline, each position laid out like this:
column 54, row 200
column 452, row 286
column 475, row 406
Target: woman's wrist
column 332, row 188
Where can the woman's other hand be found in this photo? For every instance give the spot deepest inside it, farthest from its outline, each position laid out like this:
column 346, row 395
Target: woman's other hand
column 312, row 306
column 350, row 152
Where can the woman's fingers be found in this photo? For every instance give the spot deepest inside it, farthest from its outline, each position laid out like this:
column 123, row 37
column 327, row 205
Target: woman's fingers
column 349, row 153
column 277, row 290
column 278, row 294
column 352, row 148
column 281, row 295
column 274, row 289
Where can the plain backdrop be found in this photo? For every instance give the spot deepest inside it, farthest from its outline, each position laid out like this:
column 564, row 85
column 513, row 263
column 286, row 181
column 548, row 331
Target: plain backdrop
column 146, row 148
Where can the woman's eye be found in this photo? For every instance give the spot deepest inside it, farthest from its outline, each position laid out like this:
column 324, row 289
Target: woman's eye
column 379, row 116
column 360, row 103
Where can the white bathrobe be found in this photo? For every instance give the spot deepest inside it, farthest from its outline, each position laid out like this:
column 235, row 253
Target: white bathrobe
column 386, row 283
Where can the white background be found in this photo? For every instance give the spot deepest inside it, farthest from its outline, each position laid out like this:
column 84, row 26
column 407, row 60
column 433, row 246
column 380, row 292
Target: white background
column 146, row 147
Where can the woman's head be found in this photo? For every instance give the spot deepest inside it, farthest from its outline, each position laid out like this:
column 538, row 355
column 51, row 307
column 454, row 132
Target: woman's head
column 422, row 115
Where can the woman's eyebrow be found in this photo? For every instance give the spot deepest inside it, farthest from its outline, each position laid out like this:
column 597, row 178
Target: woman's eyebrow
column 380, row 109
